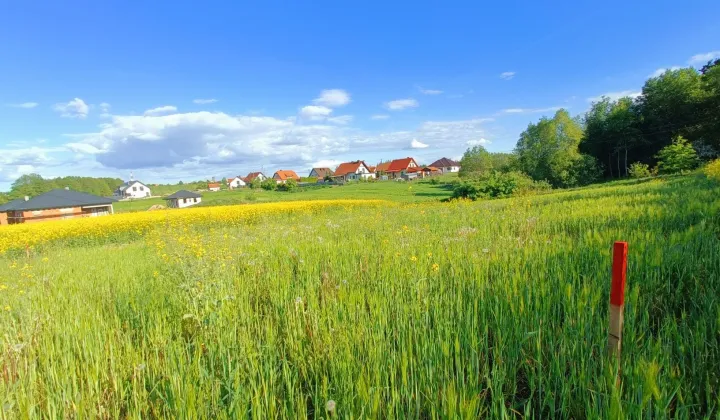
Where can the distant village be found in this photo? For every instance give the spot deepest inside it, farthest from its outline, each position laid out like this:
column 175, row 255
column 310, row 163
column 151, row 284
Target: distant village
column 67, row 204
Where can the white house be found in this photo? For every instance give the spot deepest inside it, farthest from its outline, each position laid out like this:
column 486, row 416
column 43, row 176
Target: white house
column 446, row 165
column 353, row 171
column 132, row 189
column 183, row 198
column 235, row 182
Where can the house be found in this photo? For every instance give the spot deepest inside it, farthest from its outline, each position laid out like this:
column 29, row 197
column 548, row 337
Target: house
column 381, row 170
column 321, row 173
column 235, row 182
column 183, row 198
column 423, row 172
column 252, row 175
column 446, row 165
column 399, row 167
column 214, row 186
column 132, row 189
column 353, row 171
column 283, row 175
column 55, row 205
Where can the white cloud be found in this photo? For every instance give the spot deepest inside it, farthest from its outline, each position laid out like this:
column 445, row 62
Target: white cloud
column 414, row 144
column 327, row 163
column 380, row 117
column 204, row 101
column 315, row 112
column 614, row 96
column 26, row 105
column 400, row 104
column 702, row 59
column 530, row 110
column 660, row 71
column 332, row 98
column 341, row 119
column 167, row 109
column 507, row 75
column 481, row 142
column 105, row 110
column 429, row 91
column 77, row 108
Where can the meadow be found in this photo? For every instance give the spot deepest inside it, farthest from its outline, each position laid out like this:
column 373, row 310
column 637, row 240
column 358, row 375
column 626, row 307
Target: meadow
column 416, row 191
column 379, row 309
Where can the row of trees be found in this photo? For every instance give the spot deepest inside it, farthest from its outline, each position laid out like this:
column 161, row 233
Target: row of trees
column 671, row 126
column 34, row 184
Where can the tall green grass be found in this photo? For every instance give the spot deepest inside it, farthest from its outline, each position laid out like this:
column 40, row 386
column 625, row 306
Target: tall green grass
column 464, row 310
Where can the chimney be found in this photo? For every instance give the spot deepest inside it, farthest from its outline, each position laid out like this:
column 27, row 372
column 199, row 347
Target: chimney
column 27, row 197
column 67, row 188
column 132, row 178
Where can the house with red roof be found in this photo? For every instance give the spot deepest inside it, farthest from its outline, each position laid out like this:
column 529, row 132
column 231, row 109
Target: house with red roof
column 283, row 175
column 423, row 172
column 235, row 182
column 252, row 175
column 214, row 186
column 353, row 171
column 399, row 167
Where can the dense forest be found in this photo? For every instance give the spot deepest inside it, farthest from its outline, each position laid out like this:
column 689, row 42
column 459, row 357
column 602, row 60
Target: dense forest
column 672, row 126
column 34, row 184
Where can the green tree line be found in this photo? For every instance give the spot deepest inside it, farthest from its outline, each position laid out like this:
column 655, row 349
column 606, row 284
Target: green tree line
column 671, row 126
column 34, row 184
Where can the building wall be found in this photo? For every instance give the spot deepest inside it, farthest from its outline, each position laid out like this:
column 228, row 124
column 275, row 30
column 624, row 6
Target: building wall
column 3, row 219
column 236, row 183
column 184, row 202
column 137, row 190
column 34, row 216
column 214, row 189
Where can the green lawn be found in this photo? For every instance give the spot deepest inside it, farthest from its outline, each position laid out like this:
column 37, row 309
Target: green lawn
column 415, row 191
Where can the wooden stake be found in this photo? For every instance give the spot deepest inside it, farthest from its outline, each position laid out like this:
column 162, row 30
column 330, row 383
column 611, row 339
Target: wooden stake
column 617, row 297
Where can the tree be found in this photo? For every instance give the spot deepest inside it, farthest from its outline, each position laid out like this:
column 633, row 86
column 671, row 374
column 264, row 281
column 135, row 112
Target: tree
column 476, row 161
column 4, row 198
column 269, row 184
column 549, row 151
column 28, row 185
column 290, row 185
column 255, row 184
column 504, row 162
column 710, row 110
column 677, row 157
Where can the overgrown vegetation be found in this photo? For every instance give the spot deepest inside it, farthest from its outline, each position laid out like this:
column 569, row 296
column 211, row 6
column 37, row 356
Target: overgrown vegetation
column 464, row 310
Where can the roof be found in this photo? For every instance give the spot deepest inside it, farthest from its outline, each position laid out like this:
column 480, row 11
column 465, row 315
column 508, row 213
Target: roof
column 423, row 169
column 322, row 172
column 398, row 165
column 183, row 194
column 253, row 175
column 444, row 163
column 124, row 186
column 349, row 167
column 372, row 169
column 56, row 199
column 382, row 166
column 213, row 185
column 284, row 174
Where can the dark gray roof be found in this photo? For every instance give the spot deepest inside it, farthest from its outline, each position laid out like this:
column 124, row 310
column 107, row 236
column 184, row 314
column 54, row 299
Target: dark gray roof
column 183, row 194
column 444, row 163
column 57, row 199
column 126, row 184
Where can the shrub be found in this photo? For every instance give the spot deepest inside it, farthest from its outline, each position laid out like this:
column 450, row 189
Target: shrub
column 499, row 185
column 640, row 170
column 712, row 170
column 290, row 185
column 677, row 157
column 250, row 197
column 434, row 181
column 269, row 184
column 255, row 184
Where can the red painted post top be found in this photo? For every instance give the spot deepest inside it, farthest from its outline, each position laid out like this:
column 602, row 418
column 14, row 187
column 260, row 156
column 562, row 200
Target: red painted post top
column 619, row 271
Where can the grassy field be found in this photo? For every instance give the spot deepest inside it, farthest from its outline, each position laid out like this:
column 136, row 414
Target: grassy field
column 415, row 191
column 382, row 310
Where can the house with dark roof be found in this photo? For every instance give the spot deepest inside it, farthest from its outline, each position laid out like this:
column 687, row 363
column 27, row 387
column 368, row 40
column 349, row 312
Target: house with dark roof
column 283, row 175
column 252, row 175
column 321, row 173
column 55, row 205
column 353, row 171
column 398, row 167
column 182, row 198
column 132, row 189
column 446, row 165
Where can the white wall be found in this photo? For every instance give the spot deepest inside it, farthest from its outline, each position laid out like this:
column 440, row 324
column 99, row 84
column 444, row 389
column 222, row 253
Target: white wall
column 184, row 202
column 236, row 183
column 137, row 190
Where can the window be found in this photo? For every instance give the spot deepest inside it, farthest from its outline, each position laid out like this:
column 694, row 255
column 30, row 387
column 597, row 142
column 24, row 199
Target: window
column 142, row 188
column 134, row 188
column 195, row 200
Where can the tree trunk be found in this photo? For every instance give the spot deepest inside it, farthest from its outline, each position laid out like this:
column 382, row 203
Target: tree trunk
column 610, row 164
column 619, row 171
column 626, row 166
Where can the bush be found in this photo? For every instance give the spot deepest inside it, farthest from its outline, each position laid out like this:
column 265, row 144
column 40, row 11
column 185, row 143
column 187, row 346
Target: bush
column 269, row 184
column 290, row 185
column 434, row 181
column 712, row 170
column 678, row 157
column 255, row 184
column 499, row 185
column 640, row 170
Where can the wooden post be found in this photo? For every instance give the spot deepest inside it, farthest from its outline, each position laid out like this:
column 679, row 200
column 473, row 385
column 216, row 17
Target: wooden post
column 617, row 297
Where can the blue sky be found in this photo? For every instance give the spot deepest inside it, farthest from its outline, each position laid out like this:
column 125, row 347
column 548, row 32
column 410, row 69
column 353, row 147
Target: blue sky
column 191, row 90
